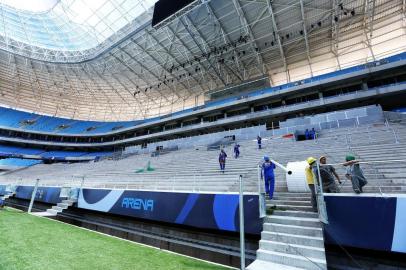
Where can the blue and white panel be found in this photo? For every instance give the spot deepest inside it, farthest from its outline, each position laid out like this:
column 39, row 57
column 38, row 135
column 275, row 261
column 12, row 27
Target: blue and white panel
column 209, row 211
column 399, row 234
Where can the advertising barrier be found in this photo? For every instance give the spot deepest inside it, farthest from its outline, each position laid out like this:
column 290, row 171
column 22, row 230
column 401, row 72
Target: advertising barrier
column 44, row 194
column 370, row 222
column 208, row 211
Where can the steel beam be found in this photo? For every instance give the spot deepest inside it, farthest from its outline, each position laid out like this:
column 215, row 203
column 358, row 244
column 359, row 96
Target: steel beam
column 306, row 38
column 248, row 29
column 278, row 39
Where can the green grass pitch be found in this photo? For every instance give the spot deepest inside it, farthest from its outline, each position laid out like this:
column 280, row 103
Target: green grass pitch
column 34, row 243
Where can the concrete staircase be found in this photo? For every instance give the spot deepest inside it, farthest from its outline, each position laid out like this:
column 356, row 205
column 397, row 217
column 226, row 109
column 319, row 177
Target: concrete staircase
column 56, row 209
column 6, row 196
column 292, row 236
column 60, row 207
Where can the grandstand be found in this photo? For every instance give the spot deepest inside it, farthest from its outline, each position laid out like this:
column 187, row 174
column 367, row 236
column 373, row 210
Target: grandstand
column 170, row 174
column 112, row 116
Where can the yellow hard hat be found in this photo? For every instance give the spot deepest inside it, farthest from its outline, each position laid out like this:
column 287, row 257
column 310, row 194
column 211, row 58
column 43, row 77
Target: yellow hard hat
column 311, row 160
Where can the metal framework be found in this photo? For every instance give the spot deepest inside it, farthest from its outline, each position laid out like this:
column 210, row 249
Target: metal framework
column 129, row 70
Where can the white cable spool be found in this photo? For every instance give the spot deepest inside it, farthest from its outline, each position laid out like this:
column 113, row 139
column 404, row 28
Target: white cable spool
column 296, row 181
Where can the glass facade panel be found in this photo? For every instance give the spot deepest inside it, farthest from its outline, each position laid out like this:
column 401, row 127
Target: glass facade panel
column 71, row 25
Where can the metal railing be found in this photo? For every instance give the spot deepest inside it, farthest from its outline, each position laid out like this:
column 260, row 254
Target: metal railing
column 195, row 181
column 367, row 135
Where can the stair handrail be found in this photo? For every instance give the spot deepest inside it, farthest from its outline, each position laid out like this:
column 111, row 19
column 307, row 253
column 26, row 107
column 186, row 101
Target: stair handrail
column 321, row 204
column 261, row 193
column 242, row 220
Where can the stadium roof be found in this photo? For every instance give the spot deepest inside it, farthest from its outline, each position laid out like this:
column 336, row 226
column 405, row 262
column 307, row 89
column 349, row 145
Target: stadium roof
column 102, row 60
column 68, row 25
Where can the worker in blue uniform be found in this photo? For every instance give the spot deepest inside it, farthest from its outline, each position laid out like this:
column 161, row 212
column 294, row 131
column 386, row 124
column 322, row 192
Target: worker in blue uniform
column 236, row 150
column 259, row 141
column 222, row 160
column 313, row 134
column 267, row 173
column 307, row 134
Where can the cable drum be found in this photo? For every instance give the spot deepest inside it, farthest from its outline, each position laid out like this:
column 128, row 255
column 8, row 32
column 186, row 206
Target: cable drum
column 296, row 181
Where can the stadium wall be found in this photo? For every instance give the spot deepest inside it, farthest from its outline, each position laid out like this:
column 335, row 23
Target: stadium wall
column 367, row 221
column 201, row 140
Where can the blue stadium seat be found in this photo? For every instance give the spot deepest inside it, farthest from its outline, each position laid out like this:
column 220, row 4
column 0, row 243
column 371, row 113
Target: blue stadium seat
column 5, row 149
column 19, row 162
column 62, row 154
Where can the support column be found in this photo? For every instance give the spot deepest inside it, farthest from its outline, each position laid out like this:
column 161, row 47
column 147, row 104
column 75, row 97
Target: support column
column 321, row 98
column 364, row 86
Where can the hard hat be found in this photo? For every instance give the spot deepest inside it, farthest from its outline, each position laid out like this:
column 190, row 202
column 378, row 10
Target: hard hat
column 349, row 157
column 322, row 157
column 311, row 160
column 266, row 158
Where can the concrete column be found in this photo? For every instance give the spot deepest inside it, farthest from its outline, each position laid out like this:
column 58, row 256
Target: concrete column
column 321, row 97
column 225, row 115
column 252, row 109
column 364, row 86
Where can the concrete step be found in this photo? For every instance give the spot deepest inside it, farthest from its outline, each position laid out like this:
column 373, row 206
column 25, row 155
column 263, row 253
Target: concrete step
column 265, row 265
column 297, row 221
column 52, row 211
column 6, row 196
column 290, row 207
column 291, row 260
column 386, row 170
column 63, row 205
column 295, row 213
column 57, row 208
column 401, row 181
column 43, row 214
column 387, row 166
column 295, row 194
column 303, row 240
column 291, row 202
column 68, row 202
column 291, row 197
column 395, row 175
column 307, row 251
column 292, row 229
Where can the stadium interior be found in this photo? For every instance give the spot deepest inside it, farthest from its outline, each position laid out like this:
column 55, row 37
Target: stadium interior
column 114, row 115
